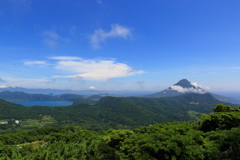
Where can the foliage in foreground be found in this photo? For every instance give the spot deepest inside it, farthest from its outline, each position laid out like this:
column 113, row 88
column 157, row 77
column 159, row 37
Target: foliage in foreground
column 215, row 136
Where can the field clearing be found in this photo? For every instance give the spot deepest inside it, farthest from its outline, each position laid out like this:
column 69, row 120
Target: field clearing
column 46, row 119
column 35, row 144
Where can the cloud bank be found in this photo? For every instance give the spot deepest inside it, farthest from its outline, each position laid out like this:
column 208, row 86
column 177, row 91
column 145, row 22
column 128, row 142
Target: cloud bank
column 94, row 69
column 189, row 90
column 92, row 87
column 39, row 63
column 3, row 86
column 77, row 79
column 199, row 86
column 100, row 36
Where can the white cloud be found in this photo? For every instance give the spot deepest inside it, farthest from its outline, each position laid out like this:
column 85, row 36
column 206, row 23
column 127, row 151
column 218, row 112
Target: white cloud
column 100, row 36
column 3, row 86
column 92, row 87
column 194, row 84
column 199, row 86
column 95, row 69
column 191, row 90
column 29, row 82
column 31, row 63
column 66, row 58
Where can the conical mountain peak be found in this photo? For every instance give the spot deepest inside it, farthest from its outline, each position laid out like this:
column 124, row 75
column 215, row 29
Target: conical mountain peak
column 185, row 84
column 181, row 87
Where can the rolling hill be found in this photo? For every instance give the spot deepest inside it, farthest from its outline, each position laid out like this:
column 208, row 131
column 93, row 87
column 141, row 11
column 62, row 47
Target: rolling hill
column 118, row 112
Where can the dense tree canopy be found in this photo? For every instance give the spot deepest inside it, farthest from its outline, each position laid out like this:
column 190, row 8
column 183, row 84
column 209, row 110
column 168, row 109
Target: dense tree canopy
column 215, row 136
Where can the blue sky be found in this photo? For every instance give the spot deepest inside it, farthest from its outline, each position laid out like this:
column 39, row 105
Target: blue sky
column 119, row 45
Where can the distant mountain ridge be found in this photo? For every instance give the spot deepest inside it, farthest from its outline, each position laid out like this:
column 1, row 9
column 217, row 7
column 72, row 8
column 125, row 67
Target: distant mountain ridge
column 184, row 86
column 89, row 92
column 77, row 99
column 118, row 112
column 21, row 96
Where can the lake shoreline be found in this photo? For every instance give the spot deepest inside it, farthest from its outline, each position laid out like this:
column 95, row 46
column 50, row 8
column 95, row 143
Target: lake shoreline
column 48, row 103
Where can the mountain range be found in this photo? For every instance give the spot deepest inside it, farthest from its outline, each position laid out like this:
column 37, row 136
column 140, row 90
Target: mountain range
column 114, row 112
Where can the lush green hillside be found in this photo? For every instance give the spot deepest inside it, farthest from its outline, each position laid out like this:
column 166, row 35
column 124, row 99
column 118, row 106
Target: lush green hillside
column 10, row 110
column 216, row 136
column 114, row 112
column 7, row 95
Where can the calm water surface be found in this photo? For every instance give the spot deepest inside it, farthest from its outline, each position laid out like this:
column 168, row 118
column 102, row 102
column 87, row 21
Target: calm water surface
column 43, row 103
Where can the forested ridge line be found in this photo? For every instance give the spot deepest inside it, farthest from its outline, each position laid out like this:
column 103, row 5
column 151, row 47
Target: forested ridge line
column 109, row 112
column 215, row 136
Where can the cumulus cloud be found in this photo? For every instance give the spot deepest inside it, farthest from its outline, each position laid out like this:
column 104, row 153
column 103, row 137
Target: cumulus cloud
column 140, row 84
column 199, row 86
column 3, row 86
column 92, row 87
column 100, row 35
column 66, row 58
column 191, row 90
column 95, row 69
column 76, row 79
column 39, row 63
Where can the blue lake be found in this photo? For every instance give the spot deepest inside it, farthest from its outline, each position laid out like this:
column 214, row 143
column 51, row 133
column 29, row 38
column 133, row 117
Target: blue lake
column 43, row 103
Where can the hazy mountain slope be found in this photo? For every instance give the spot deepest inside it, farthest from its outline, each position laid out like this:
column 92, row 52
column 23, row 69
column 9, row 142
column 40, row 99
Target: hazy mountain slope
column 13, row 96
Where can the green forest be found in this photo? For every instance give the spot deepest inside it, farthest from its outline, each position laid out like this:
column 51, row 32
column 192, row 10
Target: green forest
column 216, row 136
column 108, row 113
